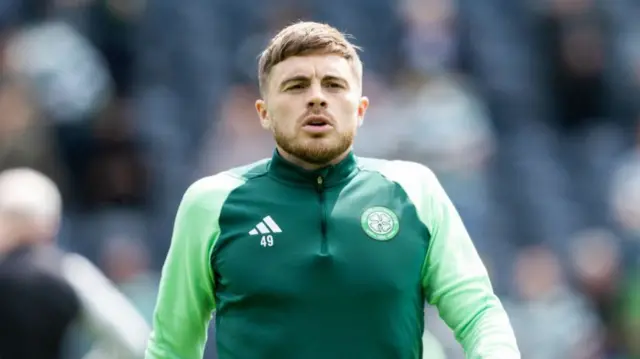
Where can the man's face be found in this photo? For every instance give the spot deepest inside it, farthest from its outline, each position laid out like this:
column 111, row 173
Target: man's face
column 313, row 106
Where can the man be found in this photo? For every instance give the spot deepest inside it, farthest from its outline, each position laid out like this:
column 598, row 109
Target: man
column 45, row 291
column 316, row 253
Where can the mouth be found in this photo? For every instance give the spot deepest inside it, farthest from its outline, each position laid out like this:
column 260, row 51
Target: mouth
column 317, row 124
column 316, row 121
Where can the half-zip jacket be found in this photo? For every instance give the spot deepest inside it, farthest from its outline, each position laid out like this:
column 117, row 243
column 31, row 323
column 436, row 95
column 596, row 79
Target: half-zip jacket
column 333, row 263
column 323, row 215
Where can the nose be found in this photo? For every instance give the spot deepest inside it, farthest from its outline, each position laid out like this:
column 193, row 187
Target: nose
column 317, row 99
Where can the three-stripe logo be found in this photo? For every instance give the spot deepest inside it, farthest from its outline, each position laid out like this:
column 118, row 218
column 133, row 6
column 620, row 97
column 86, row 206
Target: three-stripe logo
column 266, row 228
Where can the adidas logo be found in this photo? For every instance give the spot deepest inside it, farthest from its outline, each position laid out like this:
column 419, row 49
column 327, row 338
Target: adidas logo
column 266, row 226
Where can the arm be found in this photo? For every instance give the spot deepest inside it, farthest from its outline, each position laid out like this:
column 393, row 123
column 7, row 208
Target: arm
column 456, row 282
column 186, row 294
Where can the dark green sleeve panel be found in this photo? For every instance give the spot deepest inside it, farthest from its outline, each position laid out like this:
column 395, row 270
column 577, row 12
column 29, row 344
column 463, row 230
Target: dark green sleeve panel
column 454, row 278
column 186, row 294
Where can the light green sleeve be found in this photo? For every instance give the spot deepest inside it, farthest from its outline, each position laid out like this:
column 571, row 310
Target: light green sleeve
column 455, row 280
column 186, row 294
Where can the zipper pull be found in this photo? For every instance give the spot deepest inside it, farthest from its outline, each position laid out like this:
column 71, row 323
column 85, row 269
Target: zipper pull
column 320, row 182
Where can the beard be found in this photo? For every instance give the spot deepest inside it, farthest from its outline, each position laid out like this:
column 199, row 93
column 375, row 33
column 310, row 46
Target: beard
column 319, row 150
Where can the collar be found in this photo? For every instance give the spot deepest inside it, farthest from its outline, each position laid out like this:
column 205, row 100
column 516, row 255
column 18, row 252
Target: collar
column 327, row 176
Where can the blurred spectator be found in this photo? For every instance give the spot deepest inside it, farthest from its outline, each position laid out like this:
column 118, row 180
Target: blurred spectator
column 126, row 263
column 625, row 207
column 37, row 306
column 625, row 192
column 25, row 137
column 575, row 49
column 598, row 266
column 431, row 42
column 574, row 34
column 551, row 321
column 46, row 291
column 64, row 70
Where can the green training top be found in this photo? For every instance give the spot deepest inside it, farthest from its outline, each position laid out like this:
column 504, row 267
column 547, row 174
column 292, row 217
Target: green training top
column 335, row 263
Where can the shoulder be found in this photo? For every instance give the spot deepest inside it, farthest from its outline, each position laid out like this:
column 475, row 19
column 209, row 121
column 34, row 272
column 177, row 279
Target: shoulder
column 250, row 171
column 398, row 170
column 418, row 181
column 214, row 189
column 211, row 189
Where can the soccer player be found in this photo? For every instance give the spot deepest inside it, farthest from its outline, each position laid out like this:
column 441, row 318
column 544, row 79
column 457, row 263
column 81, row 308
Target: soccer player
column 315, row 253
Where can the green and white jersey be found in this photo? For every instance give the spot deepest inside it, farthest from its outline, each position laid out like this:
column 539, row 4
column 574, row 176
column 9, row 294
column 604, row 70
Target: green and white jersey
column 334, row 263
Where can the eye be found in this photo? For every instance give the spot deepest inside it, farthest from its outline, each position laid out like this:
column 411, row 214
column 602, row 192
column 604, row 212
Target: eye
column 295, row 87
column 335, row 85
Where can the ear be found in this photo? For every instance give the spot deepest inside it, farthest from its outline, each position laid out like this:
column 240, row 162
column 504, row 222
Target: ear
column 263, row 114
column 362, row 109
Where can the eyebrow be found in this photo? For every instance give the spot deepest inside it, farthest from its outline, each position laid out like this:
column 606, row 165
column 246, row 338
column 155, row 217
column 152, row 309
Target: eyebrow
column 297, row 78
column 303, row 78
column 334, row 78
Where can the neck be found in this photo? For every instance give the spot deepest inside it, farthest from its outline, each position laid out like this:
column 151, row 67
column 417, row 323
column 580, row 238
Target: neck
column 310, row 166
column 6, row 246
column 18, row 232
column 11, row 241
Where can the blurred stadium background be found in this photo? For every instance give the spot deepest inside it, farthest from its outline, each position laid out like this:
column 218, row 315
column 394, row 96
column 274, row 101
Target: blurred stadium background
column 528, row 110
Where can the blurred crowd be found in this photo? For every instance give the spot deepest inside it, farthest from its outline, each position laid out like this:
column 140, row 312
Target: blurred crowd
column 527, row 110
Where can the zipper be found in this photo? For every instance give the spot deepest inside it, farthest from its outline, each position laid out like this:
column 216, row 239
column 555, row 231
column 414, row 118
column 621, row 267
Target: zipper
column 323, row 214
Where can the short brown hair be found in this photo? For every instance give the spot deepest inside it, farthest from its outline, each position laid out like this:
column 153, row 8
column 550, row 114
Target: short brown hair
column 306, row 38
